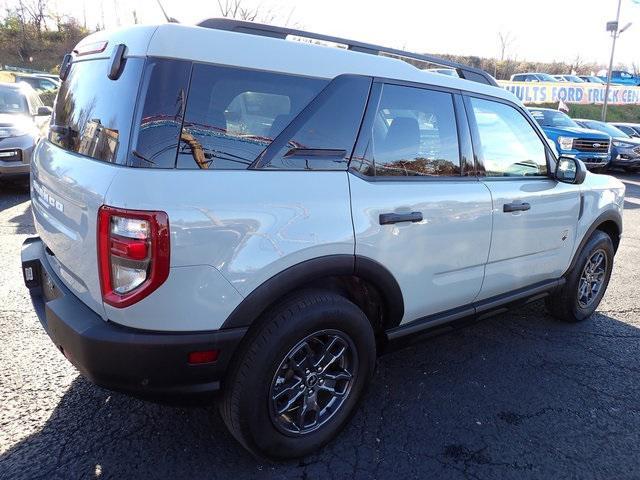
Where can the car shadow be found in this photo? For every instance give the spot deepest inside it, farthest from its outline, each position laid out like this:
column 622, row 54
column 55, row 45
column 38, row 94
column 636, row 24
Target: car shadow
column 516, row 396
column 13, row 194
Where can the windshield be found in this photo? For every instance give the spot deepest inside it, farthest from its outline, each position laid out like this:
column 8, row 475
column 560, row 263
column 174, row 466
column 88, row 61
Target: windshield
column 606, row 128
column 12, row 101
column 545, row 77
column 552, row 118
column 573, row 78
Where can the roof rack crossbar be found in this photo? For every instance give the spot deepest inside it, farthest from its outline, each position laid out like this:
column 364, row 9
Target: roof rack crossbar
column 239, row 26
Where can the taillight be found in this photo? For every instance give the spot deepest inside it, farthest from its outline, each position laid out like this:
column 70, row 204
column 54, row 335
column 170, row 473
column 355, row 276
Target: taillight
column 133, row 254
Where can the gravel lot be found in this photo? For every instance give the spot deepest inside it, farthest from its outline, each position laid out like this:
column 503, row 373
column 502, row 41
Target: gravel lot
column 516, row 396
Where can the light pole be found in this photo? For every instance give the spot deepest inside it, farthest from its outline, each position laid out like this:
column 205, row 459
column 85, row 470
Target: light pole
column 615, row 33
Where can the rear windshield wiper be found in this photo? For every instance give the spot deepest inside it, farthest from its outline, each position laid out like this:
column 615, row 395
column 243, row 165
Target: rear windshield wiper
column 137, row 154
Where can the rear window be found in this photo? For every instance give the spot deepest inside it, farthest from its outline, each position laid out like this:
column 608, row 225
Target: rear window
column 93, row 114
column 234, row 114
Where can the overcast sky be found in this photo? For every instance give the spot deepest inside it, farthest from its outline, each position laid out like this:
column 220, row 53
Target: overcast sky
column 543, row 30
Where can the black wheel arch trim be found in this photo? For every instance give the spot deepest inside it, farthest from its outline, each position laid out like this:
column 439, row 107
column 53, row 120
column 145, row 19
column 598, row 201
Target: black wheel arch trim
column 608, row 216
column 296, row 276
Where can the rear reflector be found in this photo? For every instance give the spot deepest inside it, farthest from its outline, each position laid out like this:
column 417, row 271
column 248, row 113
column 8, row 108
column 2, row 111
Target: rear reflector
column 133, row 254
column 205, row 356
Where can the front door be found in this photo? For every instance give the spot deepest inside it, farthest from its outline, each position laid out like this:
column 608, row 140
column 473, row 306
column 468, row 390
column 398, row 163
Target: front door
column 534, row 216
column 414, row 210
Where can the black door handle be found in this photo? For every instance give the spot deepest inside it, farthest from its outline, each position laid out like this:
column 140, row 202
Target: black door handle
column 388, row 218
column 516, row 207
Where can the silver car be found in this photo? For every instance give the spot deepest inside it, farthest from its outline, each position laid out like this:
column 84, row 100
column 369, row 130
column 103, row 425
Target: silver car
column 266, row 217
column 23, row 119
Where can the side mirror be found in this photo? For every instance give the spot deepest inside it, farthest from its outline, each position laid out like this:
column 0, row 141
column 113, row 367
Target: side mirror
column 570, row 170
column 44, row 111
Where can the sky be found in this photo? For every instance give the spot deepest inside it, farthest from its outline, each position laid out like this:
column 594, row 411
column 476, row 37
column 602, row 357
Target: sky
column 542, row 30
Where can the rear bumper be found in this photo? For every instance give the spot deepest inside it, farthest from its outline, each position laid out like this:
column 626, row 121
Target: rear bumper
column 117, row 357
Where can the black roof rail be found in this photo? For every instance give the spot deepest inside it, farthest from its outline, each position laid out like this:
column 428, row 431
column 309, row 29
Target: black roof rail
column 239, row 26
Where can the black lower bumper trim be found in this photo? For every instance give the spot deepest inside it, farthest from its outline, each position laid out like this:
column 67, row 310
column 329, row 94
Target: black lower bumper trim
column 122, row 358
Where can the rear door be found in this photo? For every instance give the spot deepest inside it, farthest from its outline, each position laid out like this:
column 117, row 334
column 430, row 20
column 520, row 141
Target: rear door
column 73, row 169
column 416, row 210
column 534, row 216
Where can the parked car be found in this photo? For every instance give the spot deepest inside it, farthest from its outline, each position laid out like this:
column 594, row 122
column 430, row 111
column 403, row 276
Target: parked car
column 591, row 79
column 23, row 119
column 568, row 78
column 631, row 129
column 38, row 83
column 588, row 145
column 625, row 150
column 620, row 77
column 532, row 77
column 184, row 246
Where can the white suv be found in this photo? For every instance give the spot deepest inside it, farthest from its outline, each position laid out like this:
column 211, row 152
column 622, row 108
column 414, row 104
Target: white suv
column 220, row 208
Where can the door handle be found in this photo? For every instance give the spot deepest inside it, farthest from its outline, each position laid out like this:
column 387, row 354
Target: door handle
column 389, row 218
column 516, row 207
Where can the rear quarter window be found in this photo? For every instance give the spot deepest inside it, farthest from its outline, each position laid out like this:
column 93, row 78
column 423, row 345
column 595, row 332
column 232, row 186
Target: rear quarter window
column 234, row 114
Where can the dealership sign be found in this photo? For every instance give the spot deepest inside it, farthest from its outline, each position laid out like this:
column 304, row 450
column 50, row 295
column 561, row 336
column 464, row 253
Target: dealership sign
column 548, row 92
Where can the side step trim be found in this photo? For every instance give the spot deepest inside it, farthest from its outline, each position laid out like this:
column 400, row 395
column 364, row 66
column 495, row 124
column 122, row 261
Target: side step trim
column 480, row 310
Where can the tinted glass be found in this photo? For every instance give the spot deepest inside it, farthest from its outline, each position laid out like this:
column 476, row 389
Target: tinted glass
column 322, row 137
column 12, row 101
column 93, row 114
column 234, row 114
column 552, row 118
column 160, row 116
column 509, row 146
column 415, row 133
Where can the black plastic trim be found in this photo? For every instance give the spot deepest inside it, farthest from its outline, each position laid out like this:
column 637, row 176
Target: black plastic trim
column 296, row 276
column 608, row 216
column 478, row 310
column 123, row 358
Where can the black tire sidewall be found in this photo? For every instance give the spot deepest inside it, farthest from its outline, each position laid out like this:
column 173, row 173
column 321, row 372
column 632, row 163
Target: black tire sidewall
column 258, row 429
column 599, row 240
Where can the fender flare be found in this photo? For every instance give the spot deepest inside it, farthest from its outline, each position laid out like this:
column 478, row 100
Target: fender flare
column 608, row 216
column 292, row 278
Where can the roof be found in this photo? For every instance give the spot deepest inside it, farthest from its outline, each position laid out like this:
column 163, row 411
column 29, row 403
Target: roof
column 272, row 54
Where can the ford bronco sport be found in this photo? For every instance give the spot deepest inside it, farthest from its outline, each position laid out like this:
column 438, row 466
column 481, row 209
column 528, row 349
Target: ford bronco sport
column 264, row 217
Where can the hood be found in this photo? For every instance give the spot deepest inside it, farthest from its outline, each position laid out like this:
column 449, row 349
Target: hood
column 15, row 120
column 631, row 141
column 576, row 131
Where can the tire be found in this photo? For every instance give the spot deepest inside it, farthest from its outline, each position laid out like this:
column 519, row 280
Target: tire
column 247, row 406
column 569, row 303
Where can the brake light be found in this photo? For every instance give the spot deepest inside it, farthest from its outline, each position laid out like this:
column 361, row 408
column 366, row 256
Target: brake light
column 133, row 254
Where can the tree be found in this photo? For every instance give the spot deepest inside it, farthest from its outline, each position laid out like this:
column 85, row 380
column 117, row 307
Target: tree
column 505, row 40
column 36, row 10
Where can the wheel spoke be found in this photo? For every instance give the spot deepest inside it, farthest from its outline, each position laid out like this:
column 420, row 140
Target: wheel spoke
column 328, row 357
column 287, row 406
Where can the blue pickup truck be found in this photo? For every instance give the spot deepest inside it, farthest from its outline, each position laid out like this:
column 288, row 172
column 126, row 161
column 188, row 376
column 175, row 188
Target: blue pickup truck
column 571, row 140
column 620, row 77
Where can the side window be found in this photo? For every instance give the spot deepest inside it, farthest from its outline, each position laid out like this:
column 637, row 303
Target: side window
column 160, row 113
column 234, row 114
column 322, row 136
column 509, row 146
column 415, row 133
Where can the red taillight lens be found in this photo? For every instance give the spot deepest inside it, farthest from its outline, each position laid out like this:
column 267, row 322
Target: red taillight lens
column 205, row 356
column 133, row 254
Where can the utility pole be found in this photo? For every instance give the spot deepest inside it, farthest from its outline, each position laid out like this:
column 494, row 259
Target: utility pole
column 615, row 33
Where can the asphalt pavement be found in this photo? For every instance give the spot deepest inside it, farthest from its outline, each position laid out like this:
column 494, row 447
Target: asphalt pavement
column 515, row 396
